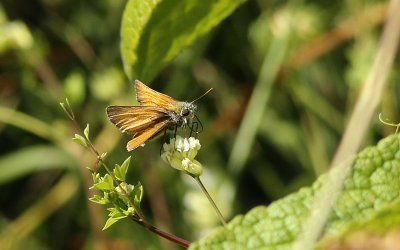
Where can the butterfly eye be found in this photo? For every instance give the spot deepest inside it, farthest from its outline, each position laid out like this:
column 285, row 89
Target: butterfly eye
column 185, row 112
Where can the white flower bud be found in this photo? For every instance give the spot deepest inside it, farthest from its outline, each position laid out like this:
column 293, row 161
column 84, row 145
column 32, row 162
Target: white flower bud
column 180, row 154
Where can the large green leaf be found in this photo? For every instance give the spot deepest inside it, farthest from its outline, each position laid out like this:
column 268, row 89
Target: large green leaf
column 381, row 231
column 153, row 32
column 372, row 185
column 32, row 159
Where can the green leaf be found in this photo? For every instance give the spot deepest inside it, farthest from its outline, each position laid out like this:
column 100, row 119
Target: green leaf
column 120, row 171
column 99, row 200
column 28, row 123
column 86, row 131
column 117, row 213
column 64, row 107
column 95, row 177
column 33, row 159
column 138, row 194
column 372, row 185
column 378, row 227
column 111, row 221
column 80, row 140
column 154, row 32
column 67, row 109
column 105, row 184
column 114, row 216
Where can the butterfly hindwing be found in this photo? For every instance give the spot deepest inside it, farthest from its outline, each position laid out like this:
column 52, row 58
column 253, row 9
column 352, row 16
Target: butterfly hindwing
column 141, row 137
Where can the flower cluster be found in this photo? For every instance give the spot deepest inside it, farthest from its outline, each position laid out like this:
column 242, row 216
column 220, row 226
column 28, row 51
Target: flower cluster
column 180, row 153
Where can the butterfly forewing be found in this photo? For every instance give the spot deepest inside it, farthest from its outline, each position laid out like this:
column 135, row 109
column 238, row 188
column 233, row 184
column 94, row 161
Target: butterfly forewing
column 149, row 97
column 134, row 119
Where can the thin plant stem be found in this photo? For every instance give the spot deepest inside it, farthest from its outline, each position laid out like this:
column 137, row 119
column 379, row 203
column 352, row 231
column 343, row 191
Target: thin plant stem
column 100, row 159
column 389, row 123
column 71, row 115
column 203, row 188
column 173, row 238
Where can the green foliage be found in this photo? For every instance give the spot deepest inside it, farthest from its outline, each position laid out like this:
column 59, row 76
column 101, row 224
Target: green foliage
column 154, row 32
column 80, row 140
column 380, row 223
column 99, row 199
column 138, row 194
column 120, row 171
column 123, row 198
column 114, row 216
column 372, row 186
column 33, row 159
column 103, row 183
column 86, row 131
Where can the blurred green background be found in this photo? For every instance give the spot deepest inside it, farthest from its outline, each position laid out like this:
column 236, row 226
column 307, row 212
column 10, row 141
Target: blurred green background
column 286, row 75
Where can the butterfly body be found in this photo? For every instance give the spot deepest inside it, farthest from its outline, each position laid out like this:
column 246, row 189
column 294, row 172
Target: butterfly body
column 155, row 113
column 183, row 115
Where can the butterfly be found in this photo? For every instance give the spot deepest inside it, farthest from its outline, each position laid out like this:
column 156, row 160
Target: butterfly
column 156, row 113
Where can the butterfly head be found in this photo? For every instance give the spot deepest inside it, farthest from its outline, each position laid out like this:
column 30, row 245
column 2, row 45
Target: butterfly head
column 188, row 110
column 184, row 114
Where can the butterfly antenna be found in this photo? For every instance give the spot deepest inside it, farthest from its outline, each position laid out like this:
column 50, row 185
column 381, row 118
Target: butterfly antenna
column 198, row 98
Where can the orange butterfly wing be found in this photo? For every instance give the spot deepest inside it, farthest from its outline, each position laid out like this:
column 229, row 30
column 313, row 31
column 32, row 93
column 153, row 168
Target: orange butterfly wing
column 149, row 97
column 134, row 119
column 147, row 120
column 141, row 137
column 143, row 121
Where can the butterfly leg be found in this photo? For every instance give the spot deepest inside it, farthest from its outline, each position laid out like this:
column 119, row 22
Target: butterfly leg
column 164, row 140
column 194, row 129
column 176, row 129
column 199, row 127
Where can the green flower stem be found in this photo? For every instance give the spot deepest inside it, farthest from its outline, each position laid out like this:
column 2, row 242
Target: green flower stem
column 203, row 188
